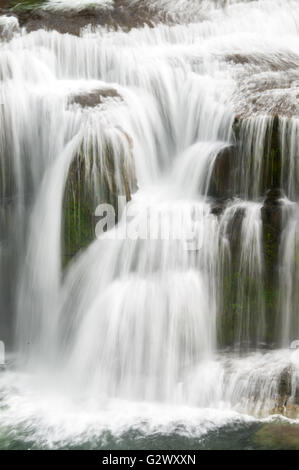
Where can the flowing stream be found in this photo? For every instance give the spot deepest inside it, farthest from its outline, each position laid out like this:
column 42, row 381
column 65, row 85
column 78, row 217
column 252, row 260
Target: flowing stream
column 177, row 321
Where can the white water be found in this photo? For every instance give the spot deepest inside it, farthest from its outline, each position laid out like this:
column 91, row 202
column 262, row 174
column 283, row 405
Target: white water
column 131, row 330
column 77, row 4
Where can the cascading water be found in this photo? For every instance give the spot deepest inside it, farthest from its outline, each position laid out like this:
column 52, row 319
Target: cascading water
column 171, row 318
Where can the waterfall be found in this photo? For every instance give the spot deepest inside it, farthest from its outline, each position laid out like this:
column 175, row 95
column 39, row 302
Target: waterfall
column 245, row 295
column 188, row 299
column 288, row 325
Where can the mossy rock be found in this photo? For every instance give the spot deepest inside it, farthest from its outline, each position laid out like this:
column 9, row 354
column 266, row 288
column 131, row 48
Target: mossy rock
column 260, row 296
column 94, row 179
column 242, row 296
column 277, row 436
column 124, row 15
column 228, row 317
column 78, row 220
column 20, row 5
column 272, row 164
column 272, row 229
column 257, row 180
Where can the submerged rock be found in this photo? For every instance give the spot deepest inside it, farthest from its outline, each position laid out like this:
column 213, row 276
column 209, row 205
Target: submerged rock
column 278, row 436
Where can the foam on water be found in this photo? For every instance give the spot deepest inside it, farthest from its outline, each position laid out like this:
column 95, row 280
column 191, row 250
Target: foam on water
column 50, row 419
column 46, row 413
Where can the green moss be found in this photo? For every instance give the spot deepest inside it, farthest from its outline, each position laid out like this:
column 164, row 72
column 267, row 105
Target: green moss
column 92, row 181
column 78, row 221
column 242, row 305
column 25, row 4
column 242, row 298
column 278, row 436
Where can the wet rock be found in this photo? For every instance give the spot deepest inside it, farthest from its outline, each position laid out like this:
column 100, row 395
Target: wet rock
column 273, row 197
column 258, row 156
column 124, row 14
column 6, row 4
column 230, row 307
column 267, row 84
column 234, row 230
column 272, row 157
column 270, row 98
column 94, row 179
column 220, row 183
column 218, row 207
column 8, row 26
column 285, row 384
column 272, row 228
column 282, row 61
column 287, row 403
column 251, row 175
column 272, row 216
column 93, row 98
